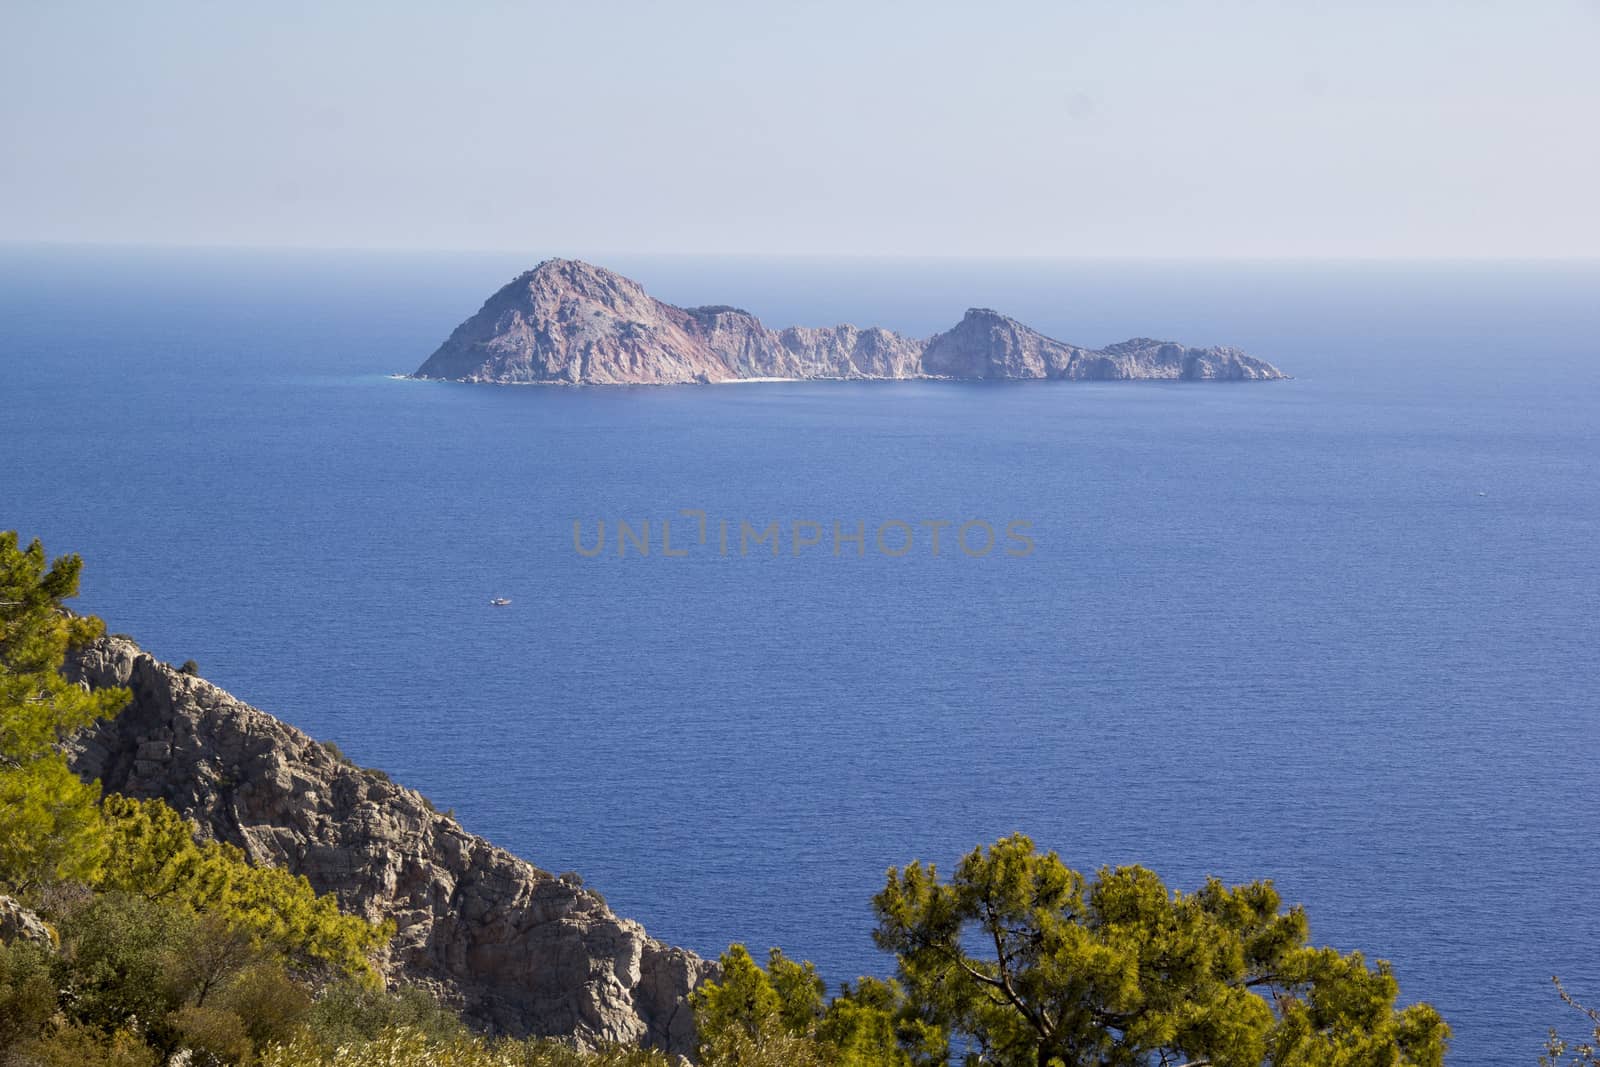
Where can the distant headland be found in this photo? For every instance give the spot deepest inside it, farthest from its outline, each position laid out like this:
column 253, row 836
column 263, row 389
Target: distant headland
column 569, row 322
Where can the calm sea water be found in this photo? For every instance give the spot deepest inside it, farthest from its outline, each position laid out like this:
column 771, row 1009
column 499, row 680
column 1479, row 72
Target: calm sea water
column 1339, row 632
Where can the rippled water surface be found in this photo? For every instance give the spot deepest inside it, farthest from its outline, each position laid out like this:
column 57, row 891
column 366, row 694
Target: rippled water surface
column 1337, row 631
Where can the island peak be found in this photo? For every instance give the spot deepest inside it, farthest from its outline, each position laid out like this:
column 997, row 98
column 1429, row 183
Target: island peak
column 571, row 322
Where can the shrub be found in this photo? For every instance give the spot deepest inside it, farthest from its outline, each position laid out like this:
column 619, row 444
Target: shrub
column 406, row 1047
column 84, row 1046
column 27, row 992
column 270, row 1003
column 214, row 1037
column 337, row 753
column 350, row 1012
column 118, row 956
column 395, row 1048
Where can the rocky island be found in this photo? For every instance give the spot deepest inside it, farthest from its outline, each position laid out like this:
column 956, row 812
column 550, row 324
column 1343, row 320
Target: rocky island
column 569, row 322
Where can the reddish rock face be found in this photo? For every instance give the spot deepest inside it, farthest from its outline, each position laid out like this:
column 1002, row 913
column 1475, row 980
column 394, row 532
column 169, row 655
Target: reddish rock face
column 574, row 323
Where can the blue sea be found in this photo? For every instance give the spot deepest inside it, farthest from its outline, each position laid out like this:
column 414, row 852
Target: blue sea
column 1337, row 631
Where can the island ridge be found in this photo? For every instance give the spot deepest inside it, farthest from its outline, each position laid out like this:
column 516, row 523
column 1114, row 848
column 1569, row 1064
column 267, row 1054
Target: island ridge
column 569, row 322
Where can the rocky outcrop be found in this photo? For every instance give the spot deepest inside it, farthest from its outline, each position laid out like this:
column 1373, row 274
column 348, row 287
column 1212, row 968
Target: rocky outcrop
column 518, row 951
column 987, row 344
column 19, row 924
column 574, row 323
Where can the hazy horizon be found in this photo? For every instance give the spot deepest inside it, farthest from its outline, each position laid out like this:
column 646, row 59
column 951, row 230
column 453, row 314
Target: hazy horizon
column 598, row 257
column 1202, row 130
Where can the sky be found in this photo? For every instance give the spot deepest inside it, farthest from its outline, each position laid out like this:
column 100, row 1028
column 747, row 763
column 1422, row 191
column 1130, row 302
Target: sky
column 1060, row 128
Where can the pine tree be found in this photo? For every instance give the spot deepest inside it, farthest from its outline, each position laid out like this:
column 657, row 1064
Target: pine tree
column 1033, row 965
column 51, row 831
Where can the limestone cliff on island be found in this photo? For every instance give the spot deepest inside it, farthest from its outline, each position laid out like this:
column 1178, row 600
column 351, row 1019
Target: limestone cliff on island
column 568, row 322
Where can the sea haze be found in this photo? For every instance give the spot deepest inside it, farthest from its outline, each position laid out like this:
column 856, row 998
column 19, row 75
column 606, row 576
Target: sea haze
column 1337, row 631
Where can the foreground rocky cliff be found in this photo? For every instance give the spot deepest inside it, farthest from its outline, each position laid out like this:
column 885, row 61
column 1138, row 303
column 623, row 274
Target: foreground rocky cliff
column 515, row 949
column 571, row 322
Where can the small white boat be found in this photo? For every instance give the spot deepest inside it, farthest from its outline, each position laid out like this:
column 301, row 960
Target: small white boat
column 500, row 602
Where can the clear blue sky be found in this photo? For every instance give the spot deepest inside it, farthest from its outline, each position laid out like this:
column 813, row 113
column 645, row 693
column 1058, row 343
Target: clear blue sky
column 1055, row 128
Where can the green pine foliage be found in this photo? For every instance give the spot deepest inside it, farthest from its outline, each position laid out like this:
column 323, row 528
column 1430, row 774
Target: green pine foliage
column 38, row 705
column 1031, row 964
column 1020, row 961
column 151, row 851
column 754, row 1017
column 51, row 829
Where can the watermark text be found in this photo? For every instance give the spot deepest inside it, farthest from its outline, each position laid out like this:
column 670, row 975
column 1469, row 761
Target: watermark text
column 693, row 531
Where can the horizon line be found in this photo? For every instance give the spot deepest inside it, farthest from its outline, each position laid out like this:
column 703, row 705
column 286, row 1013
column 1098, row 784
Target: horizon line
column 895, row 257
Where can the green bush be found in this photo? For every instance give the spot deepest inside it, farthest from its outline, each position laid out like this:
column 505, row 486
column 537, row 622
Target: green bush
column 406, row 1047
column 121, row 957
column 84, row 1046
column 350, row 1012
column 337, row 753
column 181, row 979
column 27, row 992
column 271, row 1004
column 215, row 1037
